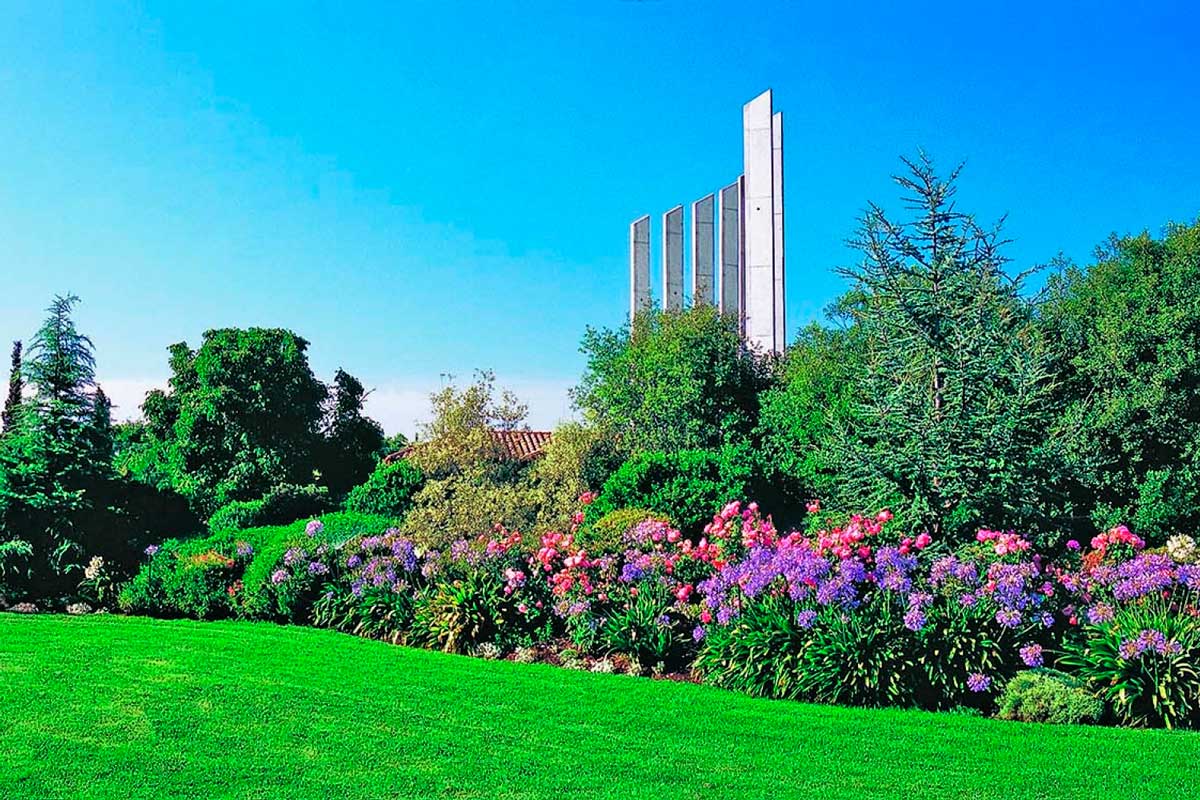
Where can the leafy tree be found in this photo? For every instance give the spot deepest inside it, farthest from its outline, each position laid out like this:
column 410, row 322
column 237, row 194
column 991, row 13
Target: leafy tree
column 392, row 444
column 469, row 483
column 955, row 425
column 241, row 415
column 387, row 492
column 817, row 391
column 672, row 381
column 1128, row 329
column 352, row 440
column 16, row 387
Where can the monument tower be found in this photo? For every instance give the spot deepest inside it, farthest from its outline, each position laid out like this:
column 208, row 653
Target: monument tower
column 736, row 240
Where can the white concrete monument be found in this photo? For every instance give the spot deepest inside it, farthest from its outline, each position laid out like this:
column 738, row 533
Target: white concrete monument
column 748, row 257
column 639, row 266
column 702, row 252
column 729, row 234
column 777, row 208
column 672, row 233
column 759, row 217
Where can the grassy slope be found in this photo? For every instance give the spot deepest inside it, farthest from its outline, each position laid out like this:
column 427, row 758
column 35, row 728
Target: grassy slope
column 114, row 707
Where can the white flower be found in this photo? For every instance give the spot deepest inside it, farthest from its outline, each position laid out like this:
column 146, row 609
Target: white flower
column 92, row 570
column 1182, row 548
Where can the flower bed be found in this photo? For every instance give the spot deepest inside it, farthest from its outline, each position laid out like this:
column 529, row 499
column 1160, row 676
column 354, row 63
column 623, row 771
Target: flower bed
column 850, row 614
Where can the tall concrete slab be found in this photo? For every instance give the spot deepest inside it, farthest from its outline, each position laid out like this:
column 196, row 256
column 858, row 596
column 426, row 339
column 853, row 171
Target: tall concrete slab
column 673, row 259
column 777, row 209
column 729, row 238
column 639, row 266
column 702, row 252
column 759, row 221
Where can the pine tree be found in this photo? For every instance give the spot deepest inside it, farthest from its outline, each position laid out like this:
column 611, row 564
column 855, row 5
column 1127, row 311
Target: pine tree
column 16, row 386
column 955, row 429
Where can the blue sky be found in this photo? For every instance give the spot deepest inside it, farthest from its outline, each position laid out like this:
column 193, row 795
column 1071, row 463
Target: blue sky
column 429, row 188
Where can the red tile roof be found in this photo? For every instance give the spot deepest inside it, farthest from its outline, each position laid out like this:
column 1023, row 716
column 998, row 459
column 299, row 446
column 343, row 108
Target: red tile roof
column 513, row 445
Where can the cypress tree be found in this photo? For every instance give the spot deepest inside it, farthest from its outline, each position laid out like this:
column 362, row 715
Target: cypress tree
column 15, row 386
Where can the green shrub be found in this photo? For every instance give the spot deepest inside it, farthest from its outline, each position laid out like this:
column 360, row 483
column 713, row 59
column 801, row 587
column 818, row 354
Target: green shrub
column 259, row 599
column 689, row 486
column 646, row 630
column 457, row 616
column 1145, row 662
column 606, row 533
column 388, row 491
column 197, row 578
column 1045, row 695
column 760, row 652
column 283, row 504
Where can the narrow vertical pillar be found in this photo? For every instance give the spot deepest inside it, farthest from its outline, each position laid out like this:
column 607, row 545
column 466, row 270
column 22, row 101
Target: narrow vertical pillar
column 673, row 259
column 729, row 237
column 639, row 266
column 702, row 252
column 758, row 216
column 777, row 198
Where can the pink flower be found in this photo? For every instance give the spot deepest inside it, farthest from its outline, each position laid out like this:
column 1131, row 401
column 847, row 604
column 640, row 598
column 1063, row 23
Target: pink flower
column 923, row 541
column 813, row 506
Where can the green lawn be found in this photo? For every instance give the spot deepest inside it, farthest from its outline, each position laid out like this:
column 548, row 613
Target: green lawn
column 115, row 707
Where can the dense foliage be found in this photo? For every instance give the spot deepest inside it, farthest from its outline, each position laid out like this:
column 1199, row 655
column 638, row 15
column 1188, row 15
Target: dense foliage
column 244, row 413
column 388, row 491
column 672, row 381
column 1127, row 331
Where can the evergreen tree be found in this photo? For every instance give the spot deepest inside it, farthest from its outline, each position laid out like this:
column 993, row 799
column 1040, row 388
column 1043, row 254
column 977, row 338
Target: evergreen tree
column 954, row 428
column 16, row 386
column 47, row 462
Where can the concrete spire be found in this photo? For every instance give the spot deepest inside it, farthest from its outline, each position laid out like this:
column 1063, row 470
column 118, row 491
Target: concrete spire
column 673, row 259
column 759, row 221
column 702, row 251
column 639, row 266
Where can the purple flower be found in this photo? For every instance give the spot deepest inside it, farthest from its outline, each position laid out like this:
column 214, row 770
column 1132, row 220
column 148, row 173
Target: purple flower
column 152, row 550
column 914, row 618
column 317, row 568
column 1031, row 654
column 806, row 618
column 353, row 561
column 978, row 682
column 1072, row 545
column 1148, row 641
column 279, row 576
column 1100, row 613
column 1008, row 617
column 698, row 633
column 314, row 527
column 244, row 549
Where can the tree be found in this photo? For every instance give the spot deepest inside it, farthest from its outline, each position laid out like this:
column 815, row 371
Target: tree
column 1128, row 329
column 241, row 415
column 16, row 387
column 48, row 461
column 352, row 440
column 817, row 392
column 955, row 428
column 469, row 483
column 672, row 381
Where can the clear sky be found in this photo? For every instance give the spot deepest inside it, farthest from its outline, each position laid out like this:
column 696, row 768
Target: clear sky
column 426, row 188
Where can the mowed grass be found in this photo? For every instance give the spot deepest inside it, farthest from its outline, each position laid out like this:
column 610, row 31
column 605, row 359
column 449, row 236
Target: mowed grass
column 114, row 707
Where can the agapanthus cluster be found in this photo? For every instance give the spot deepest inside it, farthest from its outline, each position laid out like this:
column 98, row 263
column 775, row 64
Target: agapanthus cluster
column 1103, row 585
column 836, row 567
column 1148, row 641
column 387, row 561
